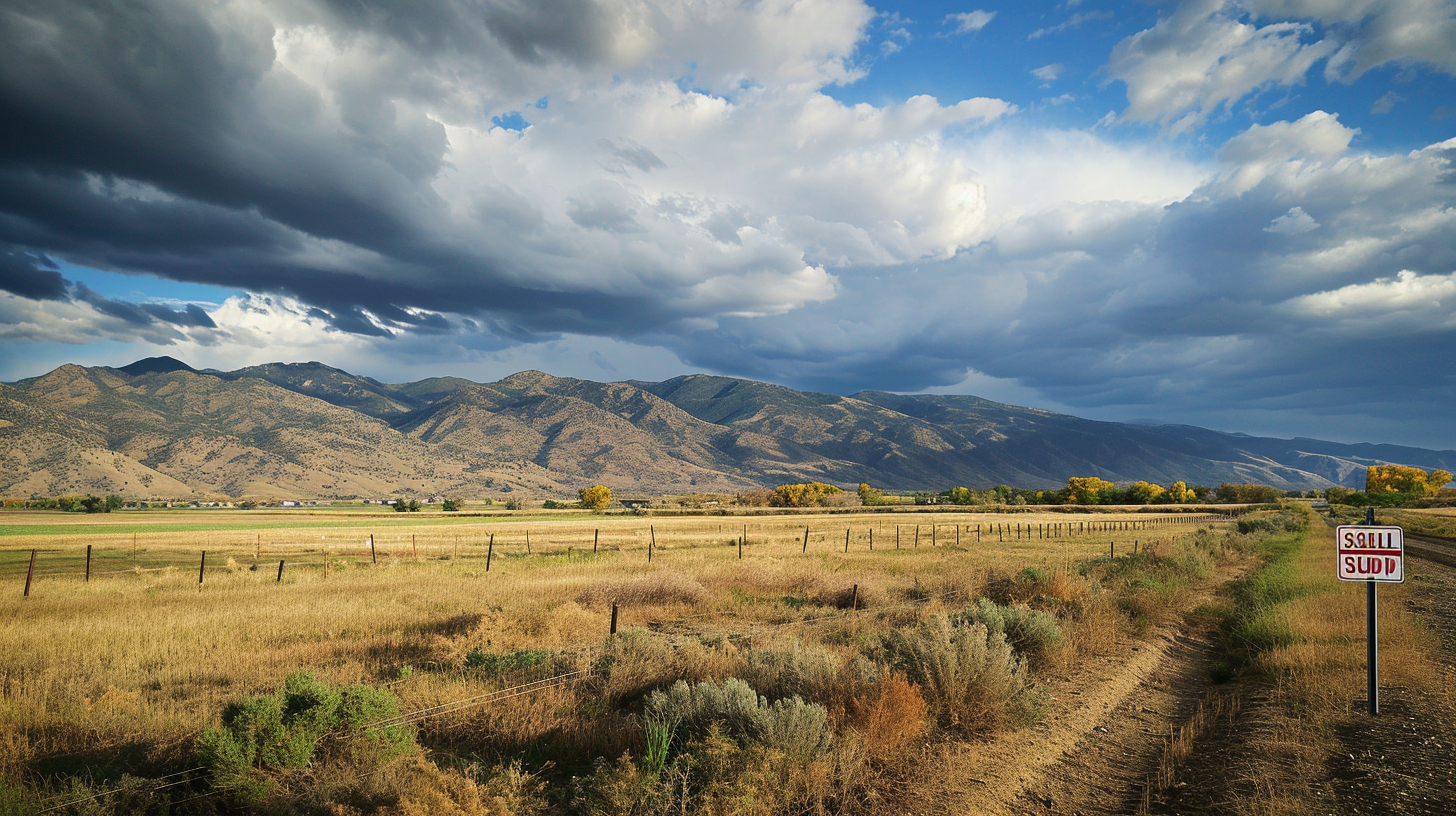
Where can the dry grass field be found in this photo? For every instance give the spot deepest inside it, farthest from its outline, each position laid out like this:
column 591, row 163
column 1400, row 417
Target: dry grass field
column 108, row 683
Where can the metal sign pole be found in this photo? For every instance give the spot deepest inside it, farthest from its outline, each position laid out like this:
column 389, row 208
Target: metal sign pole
column 1372, row 649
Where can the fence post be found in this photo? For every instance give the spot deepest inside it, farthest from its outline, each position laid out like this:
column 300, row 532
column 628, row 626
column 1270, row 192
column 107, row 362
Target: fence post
column 596, row 535
column 528, row 543
column 88, row 563
column 414, row 547
column 897, row 536
column 280, row 572
column 846, row 539
column 489, row 551
column 854, row 598
column 1111, row 549
column 613, row 630
column 201, row 565
column 872, row 539
column 651, row 542
column 29, row 574
column 373, row 557
column 806, row 538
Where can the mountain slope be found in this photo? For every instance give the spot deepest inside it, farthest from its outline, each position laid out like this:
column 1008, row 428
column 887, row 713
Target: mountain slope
column 160, row 428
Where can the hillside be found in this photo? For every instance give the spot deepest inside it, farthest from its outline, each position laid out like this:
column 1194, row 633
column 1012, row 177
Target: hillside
column 158, row 427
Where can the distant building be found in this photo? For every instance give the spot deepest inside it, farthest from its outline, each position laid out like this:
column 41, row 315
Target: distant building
column 635, row 504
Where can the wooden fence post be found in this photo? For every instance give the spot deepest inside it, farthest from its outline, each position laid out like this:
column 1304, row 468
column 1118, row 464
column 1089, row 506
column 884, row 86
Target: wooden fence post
column 280, row 572
column 1112, row 549
column 854, row 598
column 373, row 557
column 528, row 543
column 872, row 539
column 489, row 551
column 596, row 536
column 29, row 574
column 201, row 565
column 88, row 563
column 806, row 538
column 846, row 539
column 414, row 547
column 613, row 630
column 651, row 542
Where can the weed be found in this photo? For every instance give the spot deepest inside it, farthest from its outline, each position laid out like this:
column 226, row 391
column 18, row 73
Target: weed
column 1031, row 632
column 970, row 677
column 797, row 728
column 283, row 730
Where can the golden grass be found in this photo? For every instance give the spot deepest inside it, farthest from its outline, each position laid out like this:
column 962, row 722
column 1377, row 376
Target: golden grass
column 142, row 654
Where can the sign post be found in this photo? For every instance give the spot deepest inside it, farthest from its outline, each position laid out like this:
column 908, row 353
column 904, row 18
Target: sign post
column 1375, row 555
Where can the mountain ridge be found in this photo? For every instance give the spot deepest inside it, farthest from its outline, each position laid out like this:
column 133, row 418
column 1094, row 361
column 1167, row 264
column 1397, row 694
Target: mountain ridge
column 159, row 427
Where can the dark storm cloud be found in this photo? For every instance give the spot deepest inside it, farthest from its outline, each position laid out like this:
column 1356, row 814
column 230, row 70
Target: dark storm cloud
column 191, row 317
column 31, row 276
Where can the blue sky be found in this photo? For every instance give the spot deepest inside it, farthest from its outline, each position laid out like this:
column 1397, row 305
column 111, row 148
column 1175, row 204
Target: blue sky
column 1230, row 214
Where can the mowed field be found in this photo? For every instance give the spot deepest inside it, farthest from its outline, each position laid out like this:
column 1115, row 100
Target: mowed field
column 125, row 670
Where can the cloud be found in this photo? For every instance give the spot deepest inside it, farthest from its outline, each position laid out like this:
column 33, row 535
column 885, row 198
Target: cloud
column 1049, row 73
column 1294, row 222
column 1203, row 58
column 30, row 275
column 1167, row 302
column 1073, row 22
column 1387, row 102
column 1209, row 54
column 969, row 22
column 349, row 160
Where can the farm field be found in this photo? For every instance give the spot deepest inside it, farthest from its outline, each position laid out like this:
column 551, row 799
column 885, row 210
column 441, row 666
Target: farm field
column 108, row 683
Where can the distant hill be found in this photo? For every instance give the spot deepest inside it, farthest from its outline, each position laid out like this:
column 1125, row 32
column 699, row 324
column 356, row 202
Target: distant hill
column 158, row 427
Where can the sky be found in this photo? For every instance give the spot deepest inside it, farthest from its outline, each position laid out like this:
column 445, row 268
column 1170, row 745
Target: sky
column 1239, row 214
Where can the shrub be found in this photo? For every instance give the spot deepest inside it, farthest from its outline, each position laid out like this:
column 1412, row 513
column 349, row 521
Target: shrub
column 799, row 670
column 799, row 729
column 282, row 731
column 891, row 716
column 508, row 662
column 1031, row 632
column 970, row 677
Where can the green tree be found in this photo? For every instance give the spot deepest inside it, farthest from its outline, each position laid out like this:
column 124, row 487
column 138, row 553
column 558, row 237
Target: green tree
column 450, row 505
column 871, row 497
column 596, row 497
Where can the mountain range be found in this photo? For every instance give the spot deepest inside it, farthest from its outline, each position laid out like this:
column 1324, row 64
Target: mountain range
column 159, row 428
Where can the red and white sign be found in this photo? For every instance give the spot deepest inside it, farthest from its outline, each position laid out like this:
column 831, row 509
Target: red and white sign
column 1370, row 554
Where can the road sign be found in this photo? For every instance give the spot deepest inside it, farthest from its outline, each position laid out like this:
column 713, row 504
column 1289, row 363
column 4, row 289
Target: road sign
column 1370, row 554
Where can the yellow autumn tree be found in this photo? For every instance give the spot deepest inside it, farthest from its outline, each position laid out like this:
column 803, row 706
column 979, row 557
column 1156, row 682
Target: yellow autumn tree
column 1402, row 479
column 1144, row 492
column 1084, row 489
column 1178, row 493
column 596, row 497
column 807, row 494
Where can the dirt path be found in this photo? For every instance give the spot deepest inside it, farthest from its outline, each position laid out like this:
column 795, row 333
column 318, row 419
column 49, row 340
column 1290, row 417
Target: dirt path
column 1106, row 733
